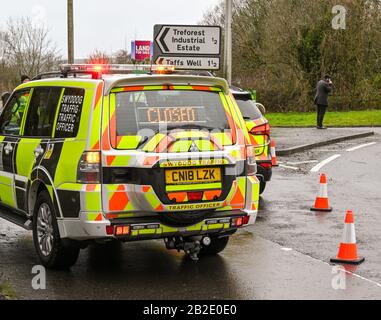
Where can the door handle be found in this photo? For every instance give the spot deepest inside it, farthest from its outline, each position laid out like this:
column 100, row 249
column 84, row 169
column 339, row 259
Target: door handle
column 38, row 151
column 8, row 149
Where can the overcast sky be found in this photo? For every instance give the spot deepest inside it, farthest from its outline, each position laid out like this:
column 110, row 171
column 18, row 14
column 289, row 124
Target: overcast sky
column 108, row 25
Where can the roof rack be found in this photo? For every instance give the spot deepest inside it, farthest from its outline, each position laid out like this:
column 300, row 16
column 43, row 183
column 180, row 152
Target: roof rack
column 48, row 75
column 97, row 70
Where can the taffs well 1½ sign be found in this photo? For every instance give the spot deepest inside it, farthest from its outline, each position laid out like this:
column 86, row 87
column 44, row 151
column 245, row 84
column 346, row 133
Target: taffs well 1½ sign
column 191, row 63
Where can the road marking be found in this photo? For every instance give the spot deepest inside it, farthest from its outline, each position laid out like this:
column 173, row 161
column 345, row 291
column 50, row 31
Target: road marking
column 347, row 271
column 302, row 162
column 325, row 162
column 288, row 167
column 361, row 146
column 329, row 264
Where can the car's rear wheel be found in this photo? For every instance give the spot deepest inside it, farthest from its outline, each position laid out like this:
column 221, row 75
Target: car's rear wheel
column 216, row 246
column 52, row 252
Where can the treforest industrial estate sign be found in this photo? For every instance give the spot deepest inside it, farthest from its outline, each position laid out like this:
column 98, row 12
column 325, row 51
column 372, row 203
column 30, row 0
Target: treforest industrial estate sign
column 188, row 47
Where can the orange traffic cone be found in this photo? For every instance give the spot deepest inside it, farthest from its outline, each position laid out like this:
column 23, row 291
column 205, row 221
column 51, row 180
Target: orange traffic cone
column 348, row 246
column 274, row 161
column 321, row 203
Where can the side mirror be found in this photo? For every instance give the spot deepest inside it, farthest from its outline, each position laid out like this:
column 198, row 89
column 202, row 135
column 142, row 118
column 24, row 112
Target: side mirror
column 261, row 108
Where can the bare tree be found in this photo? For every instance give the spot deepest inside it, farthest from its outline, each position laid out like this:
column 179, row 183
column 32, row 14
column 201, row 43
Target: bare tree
column 99, row 57
column 122, row 57
column 7, row 74
column 28, row 49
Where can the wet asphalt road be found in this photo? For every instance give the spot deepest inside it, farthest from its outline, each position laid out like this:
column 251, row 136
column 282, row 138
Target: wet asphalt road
column 284, row 256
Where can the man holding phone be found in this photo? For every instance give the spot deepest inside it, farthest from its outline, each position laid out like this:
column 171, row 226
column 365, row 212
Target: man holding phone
column 323, row 89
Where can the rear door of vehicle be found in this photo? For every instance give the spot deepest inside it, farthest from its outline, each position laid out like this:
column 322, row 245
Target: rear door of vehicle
column 35, row 144
column 153, row 131
column 10, row 128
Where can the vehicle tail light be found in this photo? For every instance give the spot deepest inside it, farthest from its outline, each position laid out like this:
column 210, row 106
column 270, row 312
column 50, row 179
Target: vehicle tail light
column 246, row 219
column 89, row 167
column 251, row 164
column 122, row 230
column 195, row 196
column 237, row 222
column 109, row 230
column 267, row 165
column 261, row 130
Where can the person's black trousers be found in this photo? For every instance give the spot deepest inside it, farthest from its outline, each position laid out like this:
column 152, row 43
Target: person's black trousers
column 320, row 114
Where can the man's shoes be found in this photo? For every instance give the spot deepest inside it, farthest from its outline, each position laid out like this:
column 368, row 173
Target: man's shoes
column 321, row 128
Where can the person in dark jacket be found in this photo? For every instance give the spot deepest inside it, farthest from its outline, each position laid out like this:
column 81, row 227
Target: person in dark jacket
column 24, row 79
column 323, row 89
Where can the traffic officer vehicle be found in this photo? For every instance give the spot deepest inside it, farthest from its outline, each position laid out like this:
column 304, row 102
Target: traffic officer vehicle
column 104, row 153
column 259, row 129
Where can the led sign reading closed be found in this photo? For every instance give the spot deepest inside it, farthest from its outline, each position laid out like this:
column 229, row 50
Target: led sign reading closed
column 172, row 115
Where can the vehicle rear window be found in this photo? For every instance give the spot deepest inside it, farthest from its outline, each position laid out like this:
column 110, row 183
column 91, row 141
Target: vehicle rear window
column 248, row 108
column 161, row 110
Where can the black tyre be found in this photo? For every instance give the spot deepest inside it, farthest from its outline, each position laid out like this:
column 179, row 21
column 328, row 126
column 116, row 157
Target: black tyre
column 262, row 187
column 51, row 250
column 216, row 246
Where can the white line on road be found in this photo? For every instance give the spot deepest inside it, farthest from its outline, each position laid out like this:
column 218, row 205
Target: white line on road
column 361, row 146
column 302, row 162
column 288, row 167
column 346, row 271
column 325, row 162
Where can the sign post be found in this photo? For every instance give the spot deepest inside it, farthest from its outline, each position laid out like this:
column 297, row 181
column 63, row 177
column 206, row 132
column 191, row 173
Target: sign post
column 188, row 47
column 228, row 41
column 70, row 31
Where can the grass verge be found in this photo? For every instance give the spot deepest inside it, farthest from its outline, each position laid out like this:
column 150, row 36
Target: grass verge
column 335, row 119
column 6, row 292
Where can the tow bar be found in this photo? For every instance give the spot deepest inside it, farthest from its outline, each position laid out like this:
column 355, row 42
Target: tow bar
column 191, row 245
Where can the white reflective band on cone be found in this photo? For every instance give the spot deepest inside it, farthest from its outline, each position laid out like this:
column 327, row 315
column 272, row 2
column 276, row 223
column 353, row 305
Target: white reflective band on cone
column 323, row 193
column 349, row 234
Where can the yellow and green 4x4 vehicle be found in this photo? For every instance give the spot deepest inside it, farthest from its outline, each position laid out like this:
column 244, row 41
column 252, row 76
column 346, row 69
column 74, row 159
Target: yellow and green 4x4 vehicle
column 96, row 156
column 259, row 130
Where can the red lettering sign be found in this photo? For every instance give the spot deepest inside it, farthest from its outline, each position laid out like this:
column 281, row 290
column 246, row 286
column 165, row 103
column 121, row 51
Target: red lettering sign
column 142, row 50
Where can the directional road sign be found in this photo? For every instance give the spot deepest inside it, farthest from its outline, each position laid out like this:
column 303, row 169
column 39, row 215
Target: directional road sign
column 190, row 63
column 201, row 44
